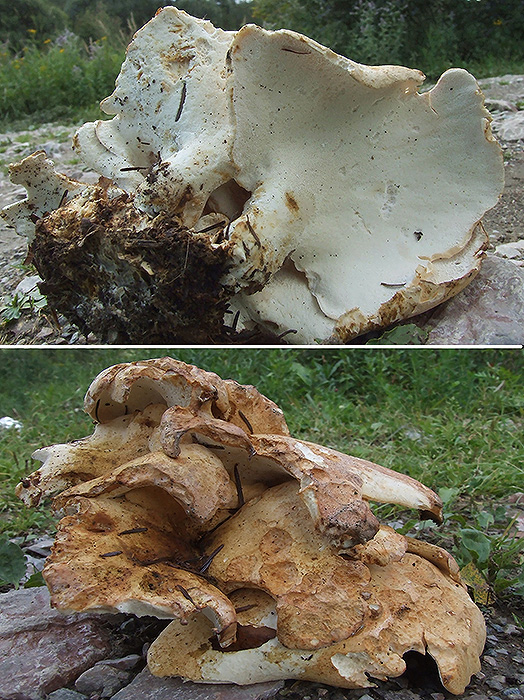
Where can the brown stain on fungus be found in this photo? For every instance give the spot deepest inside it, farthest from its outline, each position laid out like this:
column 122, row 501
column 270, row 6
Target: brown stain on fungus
column 291, row 203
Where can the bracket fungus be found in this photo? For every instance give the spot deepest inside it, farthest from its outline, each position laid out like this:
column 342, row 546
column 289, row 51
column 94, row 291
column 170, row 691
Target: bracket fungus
column 258, row 173
column 192, row 502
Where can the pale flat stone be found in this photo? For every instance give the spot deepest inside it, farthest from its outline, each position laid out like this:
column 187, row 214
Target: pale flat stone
column 510, row 127
column 148, row 687
column 125, row 663
column 513, row 251
column 42, row 650
column 504, row 87
column 490, row 311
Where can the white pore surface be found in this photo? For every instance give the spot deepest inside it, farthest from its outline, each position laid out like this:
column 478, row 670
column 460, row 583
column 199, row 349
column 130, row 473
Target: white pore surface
column 371, row 164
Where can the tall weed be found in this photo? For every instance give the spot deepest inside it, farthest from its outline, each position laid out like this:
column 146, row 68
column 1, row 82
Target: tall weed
column 378, row 34
column 57, row 80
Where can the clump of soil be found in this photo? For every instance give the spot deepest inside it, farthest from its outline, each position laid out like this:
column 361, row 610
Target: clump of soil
column 129, row 283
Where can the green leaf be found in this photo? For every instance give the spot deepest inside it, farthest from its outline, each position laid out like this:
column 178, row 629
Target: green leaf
column 409, row 525
column 408, row 334
column 458, row 518
column 518, row 585
column 448, row 495
column 477, row 543
column 12, row 562
column 485, row 519
column 35, row 580
column 502, row 581
column 10, row 313
column 304, row 373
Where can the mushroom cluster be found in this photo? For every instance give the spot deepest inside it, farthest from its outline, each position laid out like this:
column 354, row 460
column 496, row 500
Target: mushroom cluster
column 192, row 502
column 258, row 176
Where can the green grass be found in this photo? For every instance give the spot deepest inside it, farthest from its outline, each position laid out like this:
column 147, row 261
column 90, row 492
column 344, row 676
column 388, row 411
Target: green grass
column 56, row 83
column 450, row 418
column 493, row 66
column 48, row 81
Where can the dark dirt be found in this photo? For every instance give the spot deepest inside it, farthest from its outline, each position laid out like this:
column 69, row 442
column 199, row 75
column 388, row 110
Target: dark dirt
column 86, row 261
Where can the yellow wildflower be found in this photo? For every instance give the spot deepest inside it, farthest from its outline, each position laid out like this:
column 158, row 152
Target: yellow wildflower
column 32, row 31
column 61, row 51
column 47, row 41
column 497, row 22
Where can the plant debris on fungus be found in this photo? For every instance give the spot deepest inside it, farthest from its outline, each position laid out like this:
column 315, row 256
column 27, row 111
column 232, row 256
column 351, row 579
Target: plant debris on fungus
column 257, row 181
column 192, row 502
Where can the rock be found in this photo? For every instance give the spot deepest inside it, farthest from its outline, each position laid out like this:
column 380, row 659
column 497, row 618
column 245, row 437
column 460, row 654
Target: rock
column 513, row 251
column 126, row 663
column 496, row 683
column 512, row 694
column 42, row 650
column 28, row 286
column 412, row 433
column 495, row 105
column 505, row 87
column 40, row 547
column 101, row 680
column 489, row 311
column 148, row 687
column 490, row 660
column 8, row 423
column 509, row 127
column 65, row 694
column 400, row 695
column 44, row 333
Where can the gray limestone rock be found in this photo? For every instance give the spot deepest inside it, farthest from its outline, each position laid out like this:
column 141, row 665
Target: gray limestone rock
column 504, row 87
column 510, row 127
column 500, row 105
column 126, row 663
column 513, row 251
